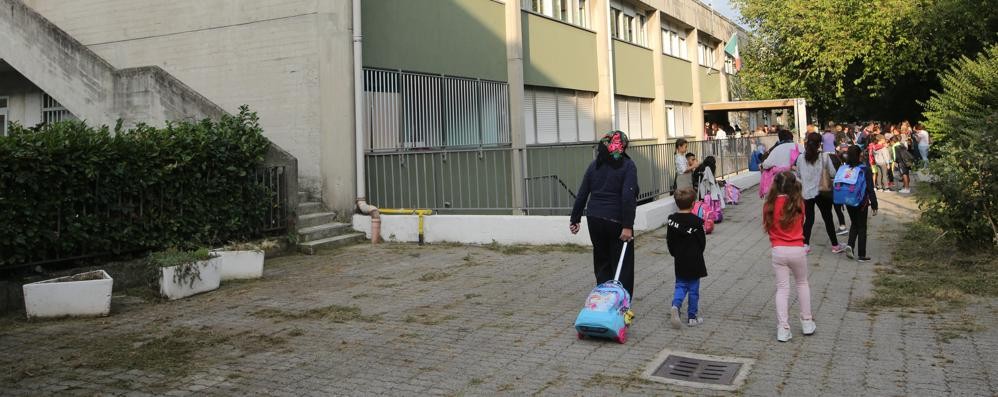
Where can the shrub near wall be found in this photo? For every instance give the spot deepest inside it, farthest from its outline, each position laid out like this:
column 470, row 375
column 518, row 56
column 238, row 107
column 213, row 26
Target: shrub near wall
column 67, row 189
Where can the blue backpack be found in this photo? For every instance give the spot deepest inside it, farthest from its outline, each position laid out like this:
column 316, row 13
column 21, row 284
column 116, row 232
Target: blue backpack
column 849, row 186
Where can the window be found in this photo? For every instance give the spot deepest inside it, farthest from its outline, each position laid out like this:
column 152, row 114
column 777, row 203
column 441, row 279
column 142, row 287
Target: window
column 729, row 64
column 53, row 111
column 705, row 54
column 411, row 110
column 642, row 37
column 3, row 116
column 674, row 41
column 678, row 119
column 634, row 117
column 615, row 23
column 571, row 11
column 558, row 116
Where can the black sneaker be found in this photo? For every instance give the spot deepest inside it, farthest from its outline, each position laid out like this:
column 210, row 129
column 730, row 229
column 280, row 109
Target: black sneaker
column 863, row 259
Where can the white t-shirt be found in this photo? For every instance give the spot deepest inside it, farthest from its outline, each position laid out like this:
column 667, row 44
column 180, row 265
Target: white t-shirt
column 923, row 137
column 681, row 163
column 721, row 135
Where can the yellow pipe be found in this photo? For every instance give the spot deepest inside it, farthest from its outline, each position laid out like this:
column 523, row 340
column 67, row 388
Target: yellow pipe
column 407, row 211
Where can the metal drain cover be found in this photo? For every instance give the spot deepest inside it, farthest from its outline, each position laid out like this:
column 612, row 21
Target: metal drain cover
column 699, row 370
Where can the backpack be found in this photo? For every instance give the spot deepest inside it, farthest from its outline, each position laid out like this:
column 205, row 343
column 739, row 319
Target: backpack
column 849, row 186
column 767, row 175
column 732, row 194
column 714, row 205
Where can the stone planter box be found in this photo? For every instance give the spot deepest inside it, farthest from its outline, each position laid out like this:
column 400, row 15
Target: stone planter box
column 208, row 279
column 84, row 294
column 236, row 265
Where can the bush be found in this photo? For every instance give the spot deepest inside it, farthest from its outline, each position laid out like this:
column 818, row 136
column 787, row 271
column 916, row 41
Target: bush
column 963, row 118
column 68, row 189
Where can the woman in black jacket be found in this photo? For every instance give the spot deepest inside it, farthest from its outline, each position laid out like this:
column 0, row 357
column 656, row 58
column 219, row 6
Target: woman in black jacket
column 609, row 193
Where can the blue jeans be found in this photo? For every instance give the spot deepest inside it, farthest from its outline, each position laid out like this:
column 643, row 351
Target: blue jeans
column 686, row 287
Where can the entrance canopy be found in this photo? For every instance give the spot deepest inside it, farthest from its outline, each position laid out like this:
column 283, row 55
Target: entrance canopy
column 798, row 105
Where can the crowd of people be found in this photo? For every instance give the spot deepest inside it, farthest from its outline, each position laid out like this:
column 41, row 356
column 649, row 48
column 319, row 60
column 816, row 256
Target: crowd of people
column 838, row 171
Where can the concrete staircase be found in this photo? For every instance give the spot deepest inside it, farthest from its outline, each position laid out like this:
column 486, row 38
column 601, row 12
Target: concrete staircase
column 317, row 227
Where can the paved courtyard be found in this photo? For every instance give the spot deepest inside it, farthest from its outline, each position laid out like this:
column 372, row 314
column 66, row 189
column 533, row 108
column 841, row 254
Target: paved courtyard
column 456, row 320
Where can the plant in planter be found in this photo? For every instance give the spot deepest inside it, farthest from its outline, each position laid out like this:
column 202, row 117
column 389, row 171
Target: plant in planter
column 84, row 294
column 243, row 260
column 180, row 274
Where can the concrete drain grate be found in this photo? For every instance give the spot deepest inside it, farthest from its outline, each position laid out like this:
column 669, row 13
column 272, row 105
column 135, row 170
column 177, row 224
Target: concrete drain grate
column 699, row 370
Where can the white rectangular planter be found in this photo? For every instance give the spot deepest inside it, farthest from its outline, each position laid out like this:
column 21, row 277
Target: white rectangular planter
column 84, row 294
column 208, row 280
column 235, row 265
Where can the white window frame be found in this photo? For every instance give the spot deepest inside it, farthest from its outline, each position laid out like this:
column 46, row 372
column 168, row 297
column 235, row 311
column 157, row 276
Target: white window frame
column 729, row 64
column 575, row 12
column 5, row 114
column 615, row 18
column 674, row 41
column 582, row 13
column 628, row 24
column 706, row 54
column 634, row 117
column 678, row 116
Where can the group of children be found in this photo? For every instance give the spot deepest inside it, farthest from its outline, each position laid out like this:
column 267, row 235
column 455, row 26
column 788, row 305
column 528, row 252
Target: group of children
column 784, row 220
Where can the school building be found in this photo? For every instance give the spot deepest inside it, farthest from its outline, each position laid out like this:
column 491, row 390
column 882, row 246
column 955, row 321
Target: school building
column 478, row 106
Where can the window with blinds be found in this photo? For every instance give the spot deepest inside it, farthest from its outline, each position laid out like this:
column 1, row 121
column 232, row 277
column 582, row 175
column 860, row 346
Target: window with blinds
column 558, row 116
column 634, row 117
column 678, row 119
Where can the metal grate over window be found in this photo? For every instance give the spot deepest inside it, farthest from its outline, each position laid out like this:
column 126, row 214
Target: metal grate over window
column 53, row 111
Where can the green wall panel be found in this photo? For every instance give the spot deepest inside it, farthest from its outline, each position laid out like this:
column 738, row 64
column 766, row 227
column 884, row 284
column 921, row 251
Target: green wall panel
column 678, row 78
column 453, row 37
column 710, row 85
column 558, row 55
column 633, row 70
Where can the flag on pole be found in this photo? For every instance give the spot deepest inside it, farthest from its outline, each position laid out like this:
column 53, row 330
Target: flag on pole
column 732, row 49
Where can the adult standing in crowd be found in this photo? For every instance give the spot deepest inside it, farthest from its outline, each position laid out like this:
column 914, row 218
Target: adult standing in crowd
column 816, row 171
column 922, row 136
column 608, row 194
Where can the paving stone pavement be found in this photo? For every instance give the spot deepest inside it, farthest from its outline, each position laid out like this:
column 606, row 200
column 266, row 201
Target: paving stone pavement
column 457, row 320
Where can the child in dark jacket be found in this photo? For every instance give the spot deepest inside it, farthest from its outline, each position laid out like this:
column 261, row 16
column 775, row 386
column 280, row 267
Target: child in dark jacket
column 686, row 240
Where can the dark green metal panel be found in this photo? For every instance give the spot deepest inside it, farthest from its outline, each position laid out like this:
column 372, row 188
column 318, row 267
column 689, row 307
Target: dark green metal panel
column 451, row 37
column 633, row 70
column 558, row 55
column 710, row 85
column 677, row 75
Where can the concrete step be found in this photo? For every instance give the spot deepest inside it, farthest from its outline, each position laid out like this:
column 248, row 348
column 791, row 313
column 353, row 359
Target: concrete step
column 309, row 207
column 324, row 231
column 316, row 219
column 311, row 247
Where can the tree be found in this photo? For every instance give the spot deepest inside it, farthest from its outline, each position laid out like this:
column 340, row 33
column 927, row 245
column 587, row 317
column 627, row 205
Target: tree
column 860, row 59
column 964, row 120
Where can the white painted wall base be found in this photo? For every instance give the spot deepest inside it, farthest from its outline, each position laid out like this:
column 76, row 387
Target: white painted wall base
column 209, row 280
column 514, row 229
column 60, row 297
column 236, row 265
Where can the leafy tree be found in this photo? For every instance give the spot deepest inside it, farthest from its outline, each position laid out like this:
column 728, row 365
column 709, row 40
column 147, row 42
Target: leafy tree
column 964, row 120
column 859, row 59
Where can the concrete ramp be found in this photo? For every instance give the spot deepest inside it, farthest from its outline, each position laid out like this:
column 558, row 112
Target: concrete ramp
column 85, row 83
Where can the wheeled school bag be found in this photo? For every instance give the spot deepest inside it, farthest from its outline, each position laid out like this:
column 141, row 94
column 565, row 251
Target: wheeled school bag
column 849, row 186
column 606, row 306
column 732, row 194
column 703, row 211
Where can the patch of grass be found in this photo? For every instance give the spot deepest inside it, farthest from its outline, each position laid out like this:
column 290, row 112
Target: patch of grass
column 428, row 319
column 475, row 382
column 358, row 296
column 296, row 332
column 949, row 330
column 505, row 387
column 387, row 285
column 929, row 271
column 434, row 276
column 334, row 313
column 471, row 296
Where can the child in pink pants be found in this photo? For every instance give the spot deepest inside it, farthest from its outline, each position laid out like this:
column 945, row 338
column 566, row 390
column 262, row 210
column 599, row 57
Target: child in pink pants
column 783, row 219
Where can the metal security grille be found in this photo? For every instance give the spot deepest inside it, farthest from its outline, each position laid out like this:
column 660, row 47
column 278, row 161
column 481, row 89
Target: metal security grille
column 421, row 111
column 53, row 111
column 697, row 370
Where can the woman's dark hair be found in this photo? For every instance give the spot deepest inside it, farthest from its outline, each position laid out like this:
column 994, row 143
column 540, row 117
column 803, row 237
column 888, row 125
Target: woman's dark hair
column 785, row 135
column 708, row 162
column 785, row 183
column 853, row 156
column 812, row 147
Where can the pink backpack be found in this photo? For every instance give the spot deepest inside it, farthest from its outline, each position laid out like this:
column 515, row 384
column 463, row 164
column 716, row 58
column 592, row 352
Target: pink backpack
column 732, row 194
column 767, row 175
column 714, row 207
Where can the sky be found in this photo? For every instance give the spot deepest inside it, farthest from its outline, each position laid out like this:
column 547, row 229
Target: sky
column 725, row 8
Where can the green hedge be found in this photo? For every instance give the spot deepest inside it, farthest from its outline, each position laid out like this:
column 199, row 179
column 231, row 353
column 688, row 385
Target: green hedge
column 963, row 120
column 68, row 189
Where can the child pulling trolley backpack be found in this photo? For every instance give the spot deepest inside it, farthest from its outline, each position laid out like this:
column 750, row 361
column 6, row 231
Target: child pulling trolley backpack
column 606, row 310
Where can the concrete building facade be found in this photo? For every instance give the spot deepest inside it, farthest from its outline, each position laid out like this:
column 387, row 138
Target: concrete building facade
column 439, row 76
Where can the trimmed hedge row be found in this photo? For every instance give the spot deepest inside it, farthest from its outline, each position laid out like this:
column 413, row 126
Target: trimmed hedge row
column 68, row 189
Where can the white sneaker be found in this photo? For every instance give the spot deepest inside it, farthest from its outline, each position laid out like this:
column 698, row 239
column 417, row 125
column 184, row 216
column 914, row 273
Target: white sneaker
column 675, row 318
column 905, row 191
column 783, row 334
column 850, row 252
column 842, row 230
column 696, row 321
column 808, row 327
